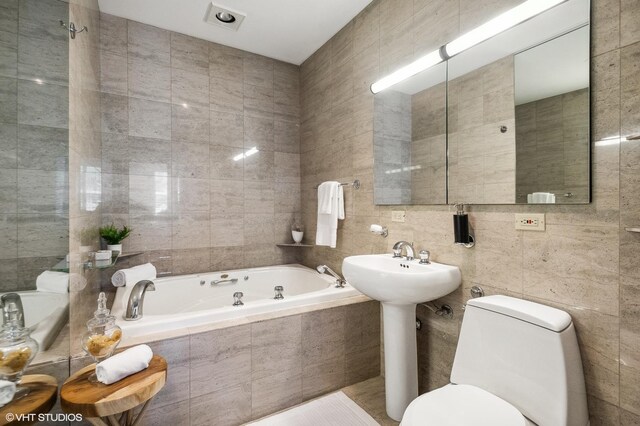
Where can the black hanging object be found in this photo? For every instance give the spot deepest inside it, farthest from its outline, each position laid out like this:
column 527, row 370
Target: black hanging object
column 461, row 228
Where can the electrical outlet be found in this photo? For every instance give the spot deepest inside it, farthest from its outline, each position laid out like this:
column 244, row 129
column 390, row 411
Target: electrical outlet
column 398, row 215
column 530, row 221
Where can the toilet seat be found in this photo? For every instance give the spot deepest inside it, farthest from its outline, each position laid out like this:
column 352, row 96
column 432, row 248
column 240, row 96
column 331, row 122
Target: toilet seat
column 462, row 405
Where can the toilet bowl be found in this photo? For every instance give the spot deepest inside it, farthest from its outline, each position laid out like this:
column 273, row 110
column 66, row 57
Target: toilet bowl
column 517, row 364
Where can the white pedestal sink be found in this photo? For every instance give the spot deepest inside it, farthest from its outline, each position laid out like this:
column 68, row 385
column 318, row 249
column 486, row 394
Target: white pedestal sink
column 400, row 285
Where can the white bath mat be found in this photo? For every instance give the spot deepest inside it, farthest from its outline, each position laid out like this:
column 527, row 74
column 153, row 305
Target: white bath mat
column 335, row 409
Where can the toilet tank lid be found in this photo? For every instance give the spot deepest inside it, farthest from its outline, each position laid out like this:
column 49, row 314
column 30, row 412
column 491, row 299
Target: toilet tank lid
column 544, row 316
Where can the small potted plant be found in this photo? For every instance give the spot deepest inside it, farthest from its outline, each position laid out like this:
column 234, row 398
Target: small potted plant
column 297, row 232
column 114, row 236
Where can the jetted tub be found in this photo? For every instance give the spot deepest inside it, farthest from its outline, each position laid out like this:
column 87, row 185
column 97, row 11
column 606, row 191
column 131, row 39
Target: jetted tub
column 182, row 301
column 45, row 314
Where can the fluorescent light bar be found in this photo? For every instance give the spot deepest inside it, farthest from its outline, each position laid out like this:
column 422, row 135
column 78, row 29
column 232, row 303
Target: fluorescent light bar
column 510, row 18
column 407, row 71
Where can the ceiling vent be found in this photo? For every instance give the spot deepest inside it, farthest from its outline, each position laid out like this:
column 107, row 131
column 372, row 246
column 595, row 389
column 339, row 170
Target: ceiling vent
column 224, row 17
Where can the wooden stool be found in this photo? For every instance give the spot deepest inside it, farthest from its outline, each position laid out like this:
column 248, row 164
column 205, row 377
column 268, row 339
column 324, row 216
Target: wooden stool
column 43, row 392
column 113, row 404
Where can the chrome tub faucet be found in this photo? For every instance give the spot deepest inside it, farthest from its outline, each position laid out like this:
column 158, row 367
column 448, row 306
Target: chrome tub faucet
column 324, row 269
column 136, row 299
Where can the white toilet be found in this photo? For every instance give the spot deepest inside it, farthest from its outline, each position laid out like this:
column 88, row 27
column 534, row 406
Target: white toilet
column 517, row 363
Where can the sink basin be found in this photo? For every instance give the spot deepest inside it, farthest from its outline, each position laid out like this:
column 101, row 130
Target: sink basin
column 396, row 280
column 400, row 285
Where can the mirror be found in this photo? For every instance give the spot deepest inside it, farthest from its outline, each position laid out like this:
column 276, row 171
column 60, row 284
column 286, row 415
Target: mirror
column 410, row 140
column 516, row 118
column 34, row 151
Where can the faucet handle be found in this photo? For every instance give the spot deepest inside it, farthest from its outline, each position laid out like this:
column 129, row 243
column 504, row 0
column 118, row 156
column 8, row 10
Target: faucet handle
column 237, row 298
column 424, row 257
column 278, row 290
column 397, row 252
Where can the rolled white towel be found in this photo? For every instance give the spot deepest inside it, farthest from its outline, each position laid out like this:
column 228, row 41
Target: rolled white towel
column 53, row 282
column 7, row 390
column 124, row 364
column 132, row 275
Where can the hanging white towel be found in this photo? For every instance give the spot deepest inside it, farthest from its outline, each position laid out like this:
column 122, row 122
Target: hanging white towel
column 330, row 209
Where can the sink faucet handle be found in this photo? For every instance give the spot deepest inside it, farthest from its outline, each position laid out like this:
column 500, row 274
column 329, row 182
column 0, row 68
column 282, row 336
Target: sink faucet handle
column 425, row 256
column 397, row 252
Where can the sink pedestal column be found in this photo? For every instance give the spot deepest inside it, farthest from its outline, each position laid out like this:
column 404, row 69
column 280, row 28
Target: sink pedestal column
column 400, row 357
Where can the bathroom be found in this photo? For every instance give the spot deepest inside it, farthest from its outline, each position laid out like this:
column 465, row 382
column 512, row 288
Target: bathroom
column 210, row 143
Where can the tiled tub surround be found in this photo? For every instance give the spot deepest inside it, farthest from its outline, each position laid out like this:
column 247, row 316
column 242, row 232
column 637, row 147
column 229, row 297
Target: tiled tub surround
column 192, row 300
column 584, row 263
column 175, row 112
column 230, row 373
column 34, row 140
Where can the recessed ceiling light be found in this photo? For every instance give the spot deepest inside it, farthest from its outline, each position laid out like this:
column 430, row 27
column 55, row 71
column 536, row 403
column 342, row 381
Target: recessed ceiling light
column 225, row 17
column 222, row 16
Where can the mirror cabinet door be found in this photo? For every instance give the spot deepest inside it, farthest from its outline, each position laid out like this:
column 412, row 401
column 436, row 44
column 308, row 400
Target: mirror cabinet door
column 510, row 126
column 410, row 140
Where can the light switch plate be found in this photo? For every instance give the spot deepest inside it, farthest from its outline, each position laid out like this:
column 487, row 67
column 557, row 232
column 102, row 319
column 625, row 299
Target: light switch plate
column 530, row 221
column 398, row 215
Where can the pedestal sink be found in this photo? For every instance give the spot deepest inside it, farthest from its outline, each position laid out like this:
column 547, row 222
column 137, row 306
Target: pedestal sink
column 400, row 285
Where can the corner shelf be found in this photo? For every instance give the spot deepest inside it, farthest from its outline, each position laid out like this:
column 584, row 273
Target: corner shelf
column 634, row 229
column 63, row 265
column 294, row 245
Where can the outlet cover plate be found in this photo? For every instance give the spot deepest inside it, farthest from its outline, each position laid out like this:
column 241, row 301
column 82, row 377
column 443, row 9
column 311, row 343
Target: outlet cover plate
column 398, row 215
column 530, row 221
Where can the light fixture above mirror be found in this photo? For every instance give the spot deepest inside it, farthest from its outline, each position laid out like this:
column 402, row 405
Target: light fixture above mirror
column 491, row 28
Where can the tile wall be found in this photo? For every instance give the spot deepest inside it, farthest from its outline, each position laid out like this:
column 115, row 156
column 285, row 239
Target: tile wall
column 482, row 160
column 84, row 165
column 585, row 262
column 392, row 147
column 429, row 146
column 34, row 134
column 177, row 115
column 550, row 154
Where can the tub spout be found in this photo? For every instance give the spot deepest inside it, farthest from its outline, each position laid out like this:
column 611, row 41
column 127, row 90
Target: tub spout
column 324, row 269
column 136, row 299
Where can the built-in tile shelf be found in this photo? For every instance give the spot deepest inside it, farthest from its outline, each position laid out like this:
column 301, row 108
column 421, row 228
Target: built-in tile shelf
column 63, row 265
column 634, row 229
column 294, row 245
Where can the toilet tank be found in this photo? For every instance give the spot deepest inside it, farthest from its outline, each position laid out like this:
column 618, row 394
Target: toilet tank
column 526, row 354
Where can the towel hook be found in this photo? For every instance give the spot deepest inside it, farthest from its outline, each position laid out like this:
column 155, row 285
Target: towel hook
column 72, row 29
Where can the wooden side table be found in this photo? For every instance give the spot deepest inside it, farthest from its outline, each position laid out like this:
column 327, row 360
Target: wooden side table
column 43, row 392
column 114, row 404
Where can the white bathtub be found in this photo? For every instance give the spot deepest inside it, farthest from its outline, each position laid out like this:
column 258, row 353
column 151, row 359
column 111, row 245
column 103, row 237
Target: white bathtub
column 45, row 314
column 181, row 302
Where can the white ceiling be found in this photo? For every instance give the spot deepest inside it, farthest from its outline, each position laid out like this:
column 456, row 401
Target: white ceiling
column 288, row 30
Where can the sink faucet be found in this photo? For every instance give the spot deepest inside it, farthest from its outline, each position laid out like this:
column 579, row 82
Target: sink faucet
column 136, row 299
column 340, row 282
column 11, row 304
column 397, row 249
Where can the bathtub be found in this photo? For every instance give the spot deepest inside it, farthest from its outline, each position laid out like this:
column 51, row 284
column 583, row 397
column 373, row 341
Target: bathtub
column 44, row 314
column 182, row 302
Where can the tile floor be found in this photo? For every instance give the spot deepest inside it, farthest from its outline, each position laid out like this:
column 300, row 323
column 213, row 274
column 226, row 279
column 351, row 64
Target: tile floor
column 370, row 396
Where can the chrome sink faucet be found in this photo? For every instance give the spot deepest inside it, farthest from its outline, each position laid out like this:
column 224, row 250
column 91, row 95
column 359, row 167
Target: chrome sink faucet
column 397, row 250
column 324, row 269
column 136, row 299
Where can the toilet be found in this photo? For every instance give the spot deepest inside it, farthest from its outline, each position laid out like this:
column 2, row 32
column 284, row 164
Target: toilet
column 517, row 363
